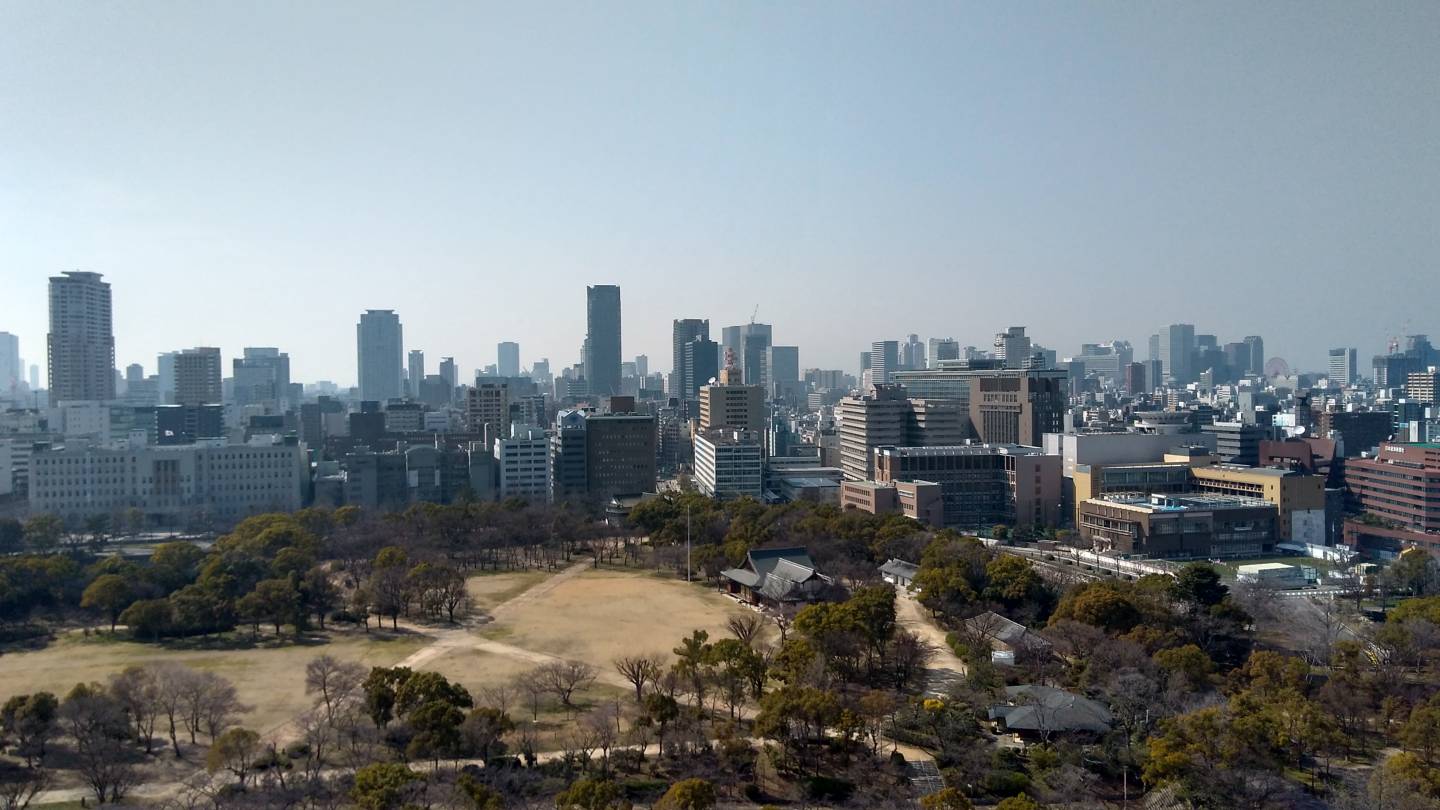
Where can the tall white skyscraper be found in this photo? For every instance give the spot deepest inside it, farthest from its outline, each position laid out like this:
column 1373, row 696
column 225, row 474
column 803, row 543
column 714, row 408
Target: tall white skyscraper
column 508, row 356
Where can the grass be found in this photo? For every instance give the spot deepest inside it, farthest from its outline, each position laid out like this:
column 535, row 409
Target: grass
column 1229, row 569
column 491, row 588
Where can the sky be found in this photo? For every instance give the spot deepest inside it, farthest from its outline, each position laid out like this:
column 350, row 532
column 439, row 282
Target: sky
column 259, row 173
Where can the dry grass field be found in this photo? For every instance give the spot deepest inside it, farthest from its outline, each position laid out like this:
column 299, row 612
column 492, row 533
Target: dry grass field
column 271, row 679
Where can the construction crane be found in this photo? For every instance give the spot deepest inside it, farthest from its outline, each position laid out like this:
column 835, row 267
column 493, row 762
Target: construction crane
column 753, row 313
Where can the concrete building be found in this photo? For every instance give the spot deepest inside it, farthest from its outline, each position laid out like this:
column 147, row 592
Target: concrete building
column 1299, row 499
column 887, row 417
column 171, row 486
column 1358, row 431
column 981, row 484
column 262, row 377
column 1423, row 386
column 508, row 359
column 684, row 381
column 1018, row 407
column 783, row 365
column 602, row 339
column 1201, row 526
column 730, row 463
column 81, row 344
column 487, row 410
column 380, row 342
column 567, row 456
column 523, row 463
column 620, row 456
column 1238, row 442
column 198, row 376
column 1257, row 355
column 11, row 375
column 1401, row 487
column 921, row 501
column 1012, row 347
column 1343, row 369
column 741, row 407
column 941, row 349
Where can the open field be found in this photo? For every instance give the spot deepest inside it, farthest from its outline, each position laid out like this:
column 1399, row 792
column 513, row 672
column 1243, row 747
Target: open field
column 1229, row 568
column 269, row 679
column 602, row 614
column 491, row 589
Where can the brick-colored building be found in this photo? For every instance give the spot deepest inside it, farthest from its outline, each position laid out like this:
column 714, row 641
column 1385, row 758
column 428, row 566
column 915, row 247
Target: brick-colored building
column 1401, row 487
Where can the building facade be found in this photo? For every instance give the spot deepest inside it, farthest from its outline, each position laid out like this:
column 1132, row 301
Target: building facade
column 81, row 344
column 380, row 342
column 730, row 464
column 602, row 339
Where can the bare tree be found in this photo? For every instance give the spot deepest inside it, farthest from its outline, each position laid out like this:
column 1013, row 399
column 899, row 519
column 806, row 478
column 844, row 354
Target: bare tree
column 639, row 670
column 138, row 691
column 97, row 723
column 746, row 627
column 501, row 696
column 602, row 727
column 564, row 678
column 172, row 681
column 333, row 680
column 20, row 786
column 533, row 690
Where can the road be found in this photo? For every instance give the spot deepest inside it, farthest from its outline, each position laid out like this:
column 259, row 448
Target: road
column 946, row 668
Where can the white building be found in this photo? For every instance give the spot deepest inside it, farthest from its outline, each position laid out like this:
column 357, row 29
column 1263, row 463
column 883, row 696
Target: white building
column 171, row 485
column 523, row 463
column 729, row 464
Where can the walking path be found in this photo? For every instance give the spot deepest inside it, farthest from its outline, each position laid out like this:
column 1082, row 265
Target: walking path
column 946, row 668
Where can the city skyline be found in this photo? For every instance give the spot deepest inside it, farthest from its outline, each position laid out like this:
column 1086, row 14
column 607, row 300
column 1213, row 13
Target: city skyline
column 783, row 158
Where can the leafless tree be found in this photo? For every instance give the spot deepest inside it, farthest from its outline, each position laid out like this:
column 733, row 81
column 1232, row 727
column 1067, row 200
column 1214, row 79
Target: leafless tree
column 333, row 680
column 172, row 682
column 138, row 690
column 501, row 696
column 564, row 678
column 746, row 627
column 602, row 727
column 534, row 691
column 639, row 670
column 211, row 705
column 20, row 786
column 96, row 722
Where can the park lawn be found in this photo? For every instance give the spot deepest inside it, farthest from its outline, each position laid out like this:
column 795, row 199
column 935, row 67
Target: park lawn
column 269, row 679
column 603, row 614
column 1229, row 569
column 489, row 589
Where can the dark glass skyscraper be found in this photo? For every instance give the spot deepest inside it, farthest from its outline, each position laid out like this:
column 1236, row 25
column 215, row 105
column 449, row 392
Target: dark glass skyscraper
column 682, row 333
column 602, row 339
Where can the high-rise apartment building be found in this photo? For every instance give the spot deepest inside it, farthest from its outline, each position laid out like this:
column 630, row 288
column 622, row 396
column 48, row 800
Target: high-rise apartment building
column 684, row 331
column 508, row 359
column 262, row 377
column 884, row 361
column 487, row 410
column 380, row 347
column 416, row 372
column 1343, row 367
column 602, row 339
column 198, row 377
column 81, row 343
column 1177, row 349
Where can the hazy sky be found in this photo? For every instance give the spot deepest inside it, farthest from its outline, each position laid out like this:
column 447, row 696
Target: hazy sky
column 259, row 173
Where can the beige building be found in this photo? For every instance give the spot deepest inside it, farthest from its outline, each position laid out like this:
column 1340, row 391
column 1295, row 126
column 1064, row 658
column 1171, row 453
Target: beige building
column 739, row 407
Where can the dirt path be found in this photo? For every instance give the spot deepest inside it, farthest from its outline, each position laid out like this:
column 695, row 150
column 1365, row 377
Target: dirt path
column 945, row 668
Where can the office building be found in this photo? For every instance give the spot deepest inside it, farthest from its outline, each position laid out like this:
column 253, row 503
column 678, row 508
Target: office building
column 750, row 344
column 602, row 339
column 11, row 375
column 699, row 370
column 523, row 464
column 416, row 372
column 884, row 361
column 1343, row 371
column 1299, row 499
column 508, row 359
column 981, row 484
column 729, row 464
column 1012, row 348
column 449, row 373
column 380, row 347
column 1257, row 355
column 1177, row 351
column 1135, row 381
column 171, row 486
column 487, row 410
column 1018, row 406
column 683, row 332
column 567, row 456
column 1179, row 526
column 912, row 353
column 784, row 372
column 262, row 377
column 1401, row 487
column 1422, row 386
column 81, row 343
column 941, row 349
column 741, row 407
column 1238, row 442
column 620, row 456
column 886, row 417
column 198, row 376
column 187, row 424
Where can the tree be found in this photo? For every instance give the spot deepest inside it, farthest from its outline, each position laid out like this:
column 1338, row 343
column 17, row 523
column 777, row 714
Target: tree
column 30, row 719
column 436, row 729
column 110, row 594
column 97, row 724
column 333, row 680
column 1198, row 585
column 747, row 627
column 234, row 751
column 138, row 691
column 484, row 730
column 477, row 796
column 1099, row 604
column 385, row 786
column 148, row 618
column 688, row 794
column 278, row 601
column 563, row 678
column 420, row 688
column 43, row 533
column 592, row 794
column 639, row 670
column 1021, row 802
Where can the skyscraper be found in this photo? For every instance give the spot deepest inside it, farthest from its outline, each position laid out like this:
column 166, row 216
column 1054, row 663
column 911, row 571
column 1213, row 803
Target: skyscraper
column 262, row 377
column 1342, row 367
column 380, row 348
column 1257, row 354
column 81, row 343
column 1013, row 346
column 784, row 369
column 942, row 349
column 602, row 339
column 508, row 359
column 884, row 360
column 417, row 372
column 1177, row 348
column 10, row 373
column 197, row 377
column 912, row 353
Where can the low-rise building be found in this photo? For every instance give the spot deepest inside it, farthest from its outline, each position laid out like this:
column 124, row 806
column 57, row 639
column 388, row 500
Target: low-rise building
column 981, row 484
column 1179, row 526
